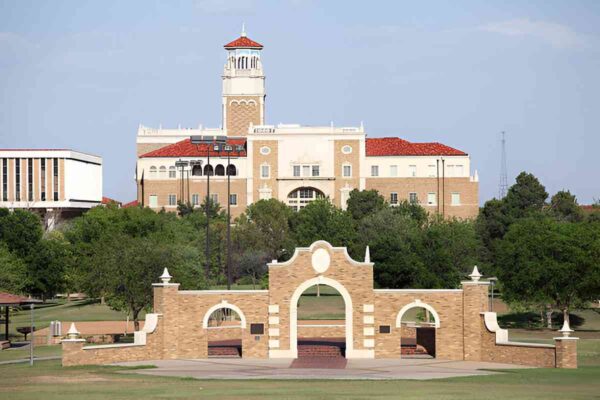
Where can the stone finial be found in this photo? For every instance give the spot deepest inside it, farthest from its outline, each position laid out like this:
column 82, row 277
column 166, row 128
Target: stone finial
column 165, row 277
column 566, row 329
column 367, row 255
column 243, row 34
column 73, row 333
column 475, row 275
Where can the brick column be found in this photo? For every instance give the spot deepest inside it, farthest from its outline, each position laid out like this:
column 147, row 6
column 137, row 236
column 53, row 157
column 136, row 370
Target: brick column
column 566, row 352
column 475, row 301
column 165, row 303
column 72, row 352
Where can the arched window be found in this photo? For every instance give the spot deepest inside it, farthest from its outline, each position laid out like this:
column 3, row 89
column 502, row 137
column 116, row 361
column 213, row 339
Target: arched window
column 220, row 170
column 208, row 170
column 172, row 172
column 300, row 197
column 197, row 170
column 231, row 170
column 153, row 171
column 162, row 172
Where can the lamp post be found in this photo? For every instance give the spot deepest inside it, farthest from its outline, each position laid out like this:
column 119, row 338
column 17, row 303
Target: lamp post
column 181, row 164
column 492, row 283
column 212, row 143
column 31, row 337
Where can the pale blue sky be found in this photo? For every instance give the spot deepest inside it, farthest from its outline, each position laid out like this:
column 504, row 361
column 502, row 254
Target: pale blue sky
column 83, row 75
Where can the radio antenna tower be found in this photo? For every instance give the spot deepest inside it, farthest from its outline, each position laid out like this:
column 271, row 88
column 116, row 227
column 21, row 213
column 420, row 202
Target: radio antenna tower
column 503, row 186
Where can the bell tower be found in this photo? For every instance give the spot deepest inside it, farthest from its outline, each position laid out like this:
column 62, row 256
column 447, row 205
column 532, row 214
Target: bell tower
column 243, row 86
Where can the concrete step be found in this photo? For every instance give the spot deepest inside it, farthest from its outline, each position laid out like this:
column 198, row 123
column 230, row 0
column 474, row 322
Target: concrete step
column 412, row 350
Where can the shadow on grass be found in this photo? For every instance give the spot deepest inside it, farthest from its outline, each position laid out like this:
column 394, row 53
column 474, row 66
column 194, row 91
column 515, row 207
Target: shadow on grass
column 531, row 320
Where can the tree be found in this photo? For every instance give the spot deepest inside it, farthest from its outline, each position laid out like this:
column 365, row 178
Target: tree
column 265, row 227
column 527, row 195
column 46, row 266
column 321, row 220
column 411, row 210
column 13, row 271
column 364, row 202
column 546, row 261
column 21, row 230
column 253, row 264
column 564, row 207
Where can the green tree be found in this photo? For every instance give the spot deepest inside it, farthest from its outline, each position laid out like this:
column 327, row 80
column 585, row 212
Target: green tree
column 564, row 207
column 411, row 210
column 546, row 261
column 364, row 202
column 526, row 196
column 13, row 271
column 321, row 220
column 21, row 230
column 47, row 263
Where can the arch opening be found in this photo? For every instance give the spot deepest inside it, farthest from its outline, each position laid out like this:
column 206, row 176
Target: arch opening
column 300, row 197
column 223, row 324
column 417, row 323
column 219, row 170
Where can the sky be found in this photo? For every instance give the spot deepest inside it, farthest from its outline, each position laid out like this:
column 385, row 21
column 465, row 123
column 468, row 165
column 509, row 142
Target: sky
column 84, row 74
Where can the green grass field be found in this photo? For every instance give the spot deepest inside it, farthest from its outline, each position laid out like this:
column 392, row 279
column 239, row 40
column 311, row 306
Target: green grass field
column 48, row 380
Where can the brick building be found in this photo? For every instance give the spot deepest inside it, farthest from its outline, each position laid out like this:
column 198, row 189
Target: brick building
column 293, row 163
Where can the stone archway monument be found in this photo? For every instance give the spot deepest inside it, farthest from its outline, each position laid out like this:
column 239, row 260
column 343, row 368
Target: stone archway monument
column 464, row 327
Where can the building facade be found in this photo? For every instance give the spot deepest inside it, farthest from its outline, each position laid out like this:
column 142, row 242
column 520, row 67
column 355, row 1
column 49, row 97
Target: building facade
column 56, row 183
column 293, row 163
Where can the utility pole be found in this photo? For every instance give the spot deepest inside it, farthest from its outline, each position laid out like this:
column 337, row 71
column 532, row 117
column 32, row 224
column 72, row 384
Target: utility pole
column 503, row 185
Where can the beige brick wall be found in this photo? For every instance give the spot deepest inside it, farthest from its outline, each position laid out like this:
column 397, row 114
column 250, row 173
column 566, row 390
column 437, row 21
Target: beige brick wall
column 448, row 338
column 311, row 331
column 475, row 301
column 510, row 354
column 339, row 160
column 218, row 185
column 239, row 115
column 61, row 179
column 469, row 193
column 272, row 160
column 566, row 353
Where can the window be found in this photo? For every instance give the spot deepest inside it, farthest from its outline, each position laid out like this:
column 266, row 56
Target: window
column 432, row 171
column 173, row 172
column 455, row 199
column 306, row 170
column 412, row 170
column 30, row 179
column 5, row 179
column 153, row 172
column 347, row 149
column 393, row 198
column 220, row 170
column 55, row 170
column 315, row 170
column 393, row 170
column 172, row 200
column 265, row 171
column 214, row 198
column 197, row 170
column 412, row 198
column 43, row 179
column 153, row 201
column 296, row 170
column 208, row 170
column 231, row 170
column 431, row 199
column 300, row 197
column 195, row 199
column 162, row 172
column 374, row 170
column 265, row 150
column 233, row 199
column 347, row 170
column 17, row 179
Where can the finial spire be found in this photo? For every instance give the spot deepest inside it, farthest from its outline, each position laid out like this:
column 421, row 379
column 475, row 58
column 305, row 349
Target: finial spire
column 367, row 255
column 475, row 275
column 243, row 29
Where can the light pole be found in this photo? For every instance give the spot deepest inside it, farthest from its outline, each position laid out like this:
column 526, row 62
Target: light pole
column 212, row 143
column 181, row 164
column 492, row 283
column 31, row 337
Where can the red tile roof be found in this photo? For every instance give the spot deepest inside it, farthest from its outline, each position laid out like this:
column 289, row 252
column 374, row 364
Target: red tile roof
column 393, row 146
column 186, row 149
column 108, row 200
column 7, row 298
column 243, row 42
column 133, row 203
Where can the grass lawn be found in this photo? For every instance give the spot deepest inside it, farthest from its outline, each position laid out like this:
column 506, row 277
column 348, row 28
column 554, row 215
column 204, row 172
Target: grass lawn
column 61, row 310
column 48, row 380
column 38, row 351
